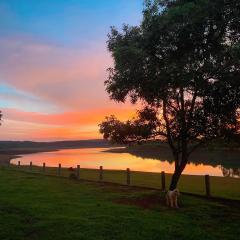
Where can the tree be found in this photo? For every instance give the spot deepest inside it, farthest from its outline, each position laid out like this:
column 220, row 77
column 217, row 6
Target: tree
column 183, row 63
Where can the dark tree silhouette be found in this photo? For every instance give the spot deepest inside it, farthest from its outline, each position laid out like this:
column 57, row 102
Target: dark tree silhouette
column 136, row 130
column 183, row 63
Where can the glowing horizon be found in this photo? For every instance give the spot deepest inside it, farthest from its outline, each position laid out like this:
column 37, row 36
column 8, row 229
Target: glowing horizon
column 53, row 67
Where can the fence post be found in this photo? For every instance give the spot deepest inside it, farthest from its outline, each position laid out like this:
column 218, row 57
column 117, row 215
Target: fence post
column 163, row 181
column 59, row 169
column 128, row 176
column 44, row 167
column 30, row 166
column 78, row 172
column 100, row 173
column 207, row 185
column 18, row 164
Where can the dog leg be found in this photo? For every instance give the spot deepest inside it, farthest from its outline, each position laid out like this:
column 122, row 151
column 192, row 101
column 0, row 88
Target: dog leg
column 176, row 203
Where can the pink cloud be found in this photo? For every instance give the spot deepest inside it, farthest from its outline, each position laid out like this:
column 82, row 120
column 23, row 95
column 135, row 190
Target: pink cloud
column 70, row 78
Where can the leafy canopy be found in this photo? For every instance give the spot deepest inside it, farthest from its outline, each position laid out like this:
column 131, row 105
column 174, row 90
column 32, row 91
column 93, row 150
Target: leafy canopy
column 184, row 62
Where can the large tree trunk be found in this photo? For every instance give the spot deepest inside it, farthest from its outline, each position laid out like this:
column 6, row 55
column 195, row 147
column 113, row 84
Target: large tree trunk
column 177, row 172
column 175, row 178
column 180, row 165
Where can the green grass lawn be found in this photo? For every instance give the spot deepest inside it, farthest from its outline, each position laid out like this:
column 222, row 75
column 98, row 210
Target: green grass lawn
column 225, row 187
column 34, row 206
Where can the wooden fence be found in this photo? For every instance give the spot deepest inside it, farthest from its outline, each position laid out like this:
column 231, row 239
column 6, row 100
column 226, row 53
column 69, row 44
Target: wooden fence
column 128, row 181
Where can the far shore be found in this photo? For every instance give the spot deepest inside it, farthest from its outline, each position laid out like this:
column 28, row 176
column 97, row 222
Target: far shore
column 11, row 150
column 7, row 155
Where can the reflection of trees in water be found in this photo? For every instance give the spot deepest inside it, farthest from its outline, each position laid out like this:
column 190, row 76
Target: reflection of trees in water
column 228, row 160
column 230, row 172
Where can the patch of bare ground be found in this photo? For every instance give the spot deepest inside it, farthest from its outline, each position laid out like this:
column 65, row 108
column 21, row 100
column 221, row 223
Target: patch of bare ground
column 155, row 200
column 145, row 201
column 117, row 187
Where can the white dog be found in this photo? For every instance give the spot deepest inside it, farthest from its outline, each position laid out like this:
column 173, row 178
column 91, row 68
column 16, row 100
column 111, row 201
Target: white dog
column 171, row 198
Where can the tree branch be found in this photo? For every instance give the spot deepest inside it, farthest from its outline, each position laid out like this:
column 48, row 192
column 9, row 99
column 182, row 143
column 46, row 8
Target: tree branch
column 192, row 108
column 169, row 137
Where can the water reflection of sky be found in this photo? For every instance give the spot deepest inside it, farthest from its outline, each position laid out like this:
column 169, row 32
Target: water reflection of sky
column 95, row 157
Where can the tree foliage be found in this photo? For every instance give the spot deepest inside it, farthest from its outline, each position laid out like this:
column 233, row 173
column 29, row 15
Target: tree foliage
column 136, row 130
column 183, row 62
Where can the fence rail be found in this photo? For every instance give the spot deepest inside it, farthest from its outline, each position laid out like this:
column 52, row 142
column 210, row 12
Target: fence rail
column 201, row 185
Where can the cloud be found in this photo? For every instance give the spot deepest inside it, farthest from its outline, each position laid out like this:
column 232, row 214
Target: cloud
column 20, row 125
column 58, row 92
column 13, row 98
column 67, row 77
column 87, row 117
column 17, row 130
column 53, row 62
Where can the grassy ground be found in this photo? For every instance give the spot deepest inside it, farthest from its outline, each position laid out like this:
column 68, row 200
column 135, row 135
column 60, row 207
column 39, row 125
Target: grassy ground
column 220, row 187
column 34, row 206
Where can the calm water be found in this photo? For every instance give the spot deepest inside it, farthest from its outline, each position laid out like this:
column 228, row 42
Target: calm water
column 95, row 157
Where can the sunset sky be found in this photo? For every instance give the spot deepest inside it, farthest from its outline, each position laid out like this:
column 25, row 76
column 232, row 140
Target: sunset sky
column 53, row 62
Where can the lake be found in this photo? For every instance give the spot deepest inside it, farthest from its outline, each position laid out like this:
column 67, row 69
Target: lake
column 95, row 157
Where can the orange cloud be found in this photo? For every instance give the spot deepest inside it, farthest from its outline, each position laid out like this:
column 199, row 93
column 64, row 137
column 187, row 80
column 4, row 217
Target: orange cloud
column 19, row 125
column 65, row 133
column 15, row 130
column 89, row 117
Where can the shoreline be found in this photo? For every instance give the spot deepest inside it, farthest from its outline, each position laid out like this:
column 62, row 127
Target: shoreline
column 6, row 155
column 157, row 152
